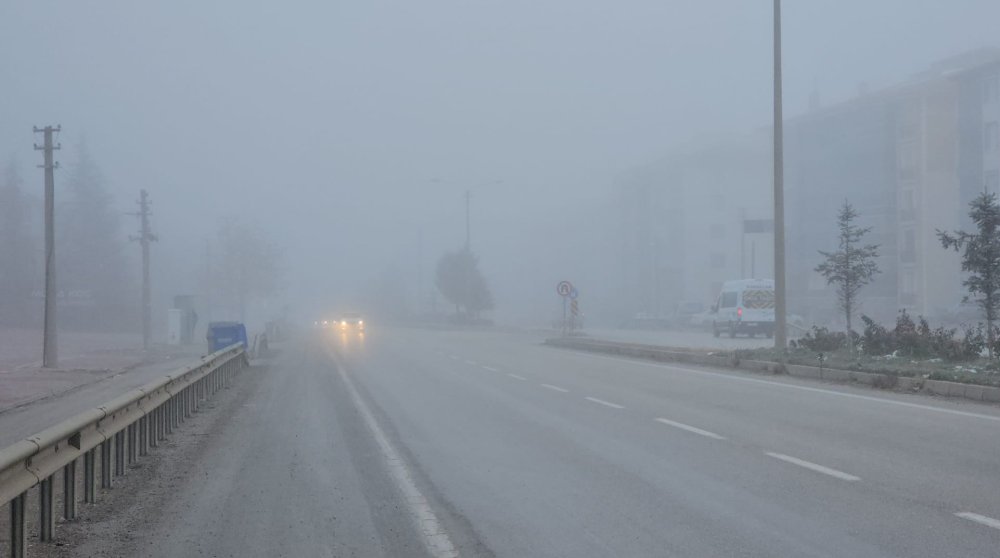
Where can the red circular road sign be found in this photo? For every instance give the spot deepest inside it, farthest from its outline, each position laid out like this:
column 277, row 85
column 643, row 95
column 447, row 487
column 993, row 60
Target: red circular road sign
column 564, row 288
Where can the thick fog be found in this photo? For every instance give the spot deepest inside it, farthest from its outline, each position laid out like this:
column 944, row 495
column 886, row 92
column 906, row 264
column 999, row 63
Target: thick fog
column 346, row 134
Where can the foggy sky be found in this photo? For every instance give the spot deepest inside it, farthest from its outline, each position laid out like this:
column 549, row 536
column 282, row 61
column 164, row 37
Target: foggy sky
column 344, row 128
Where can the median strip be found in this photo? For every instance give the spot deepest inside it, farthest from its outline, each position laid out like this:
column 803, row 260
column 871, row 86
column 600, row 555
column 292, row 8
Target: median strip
column 605, row 403
column 813, row 466
column 981, row 519
column 691, row 429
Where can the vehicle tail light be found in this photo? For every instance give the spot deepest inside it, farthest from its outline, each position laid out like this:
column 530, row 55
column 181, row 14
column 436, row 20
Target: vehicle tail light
column 739, row 312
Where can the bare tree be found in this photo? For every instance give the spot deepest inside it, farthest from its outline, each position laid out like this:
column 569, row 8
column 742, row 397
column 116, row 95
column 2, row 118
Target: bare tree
column 247, row 266
column 852, row 266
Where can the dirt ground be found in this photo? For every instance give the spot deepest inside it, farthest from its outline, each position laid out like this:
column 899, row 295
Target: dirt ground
column 116, row 524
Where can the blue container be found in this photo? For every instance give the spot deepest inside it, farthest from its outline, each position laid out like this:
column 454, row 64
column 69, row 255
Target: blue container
column 224, row 334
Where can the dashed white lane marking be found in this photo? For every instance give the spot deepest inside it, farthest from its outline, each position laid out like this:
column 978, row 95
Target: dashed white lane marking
column 605, row 403
column 981, row 519
column 516, row 377
column 555, row 388
column 435, row 538
column 803, row 388
column 690, row 428
column 490, row 368
column 471, row 363
column 813, row 466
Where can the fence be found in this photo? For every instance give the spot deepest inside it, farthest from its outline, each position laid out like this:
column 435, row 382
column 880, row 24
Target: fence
column 110, row 436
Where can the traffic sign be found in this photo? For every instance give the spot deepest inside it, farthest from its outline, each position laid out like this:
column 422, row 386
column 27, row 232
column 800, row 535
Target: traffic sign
column 564, row 288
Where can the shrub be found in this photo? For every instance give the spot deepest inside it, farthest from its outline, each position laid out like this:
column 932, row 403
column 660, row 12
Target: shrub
column 876, row 340
column 821, row 339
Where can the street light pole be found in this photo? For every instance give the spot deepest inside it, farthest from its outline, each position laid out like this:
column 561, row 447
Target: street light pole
column 780, row 341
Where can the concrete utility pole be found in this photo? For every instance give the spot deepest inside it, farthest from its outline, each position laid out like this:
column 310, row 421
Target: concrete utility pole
column 144, row 238
column 468, row 227
column 780, row 341
column 50, row 348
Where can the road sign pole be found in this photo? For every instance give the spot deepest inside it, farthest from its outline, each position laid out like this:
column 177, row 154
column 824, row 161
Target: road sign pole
column 564, row 317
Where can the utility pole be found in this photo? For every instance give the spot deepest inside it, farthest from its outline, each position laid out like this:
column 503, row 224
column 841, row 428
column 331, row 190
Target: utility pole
column 144, row 238
column 50, row 347
column 780, row 342
column 420, row 271
column 468, row 254
column 468, row 229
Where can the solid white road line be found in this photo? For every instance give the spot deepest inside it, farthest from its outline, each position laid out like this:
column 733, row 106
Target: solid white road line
column 736, row 378
column 813, row 466
column 605, row 403
column 490, row 368
column 555, row 388
column 981, row 519
column 516, row 377
column 435, row 538
column 689, row 428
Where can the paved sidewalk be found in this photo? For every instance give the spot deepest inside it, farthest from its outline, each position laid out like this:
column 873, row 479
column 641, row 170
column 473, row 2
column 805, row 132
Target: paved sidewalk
column 32, row 399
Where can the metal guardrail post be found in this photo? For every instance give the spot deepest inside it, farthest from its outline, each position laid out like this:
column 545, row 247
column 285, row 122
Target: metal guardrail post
column 90, row 477
column 144, row 436
column 133, row 443
column 119, row 453
column 46, row 515
column 106, row 463
column 18, row 540
column 69, row 491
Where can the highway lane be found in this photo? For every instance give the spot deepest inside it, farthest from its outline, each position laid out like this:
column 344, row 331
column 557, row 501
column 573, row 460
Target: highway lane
column 408, row 442
column 788, row 467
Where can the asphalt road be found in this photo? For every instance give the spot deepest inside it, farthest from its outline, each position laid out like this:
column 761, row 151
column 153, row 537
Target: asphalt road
column 411, row 442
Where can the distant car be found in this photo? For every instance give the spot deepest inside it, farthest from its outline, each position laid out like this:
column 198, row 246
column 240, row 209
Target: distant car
column 351, row 320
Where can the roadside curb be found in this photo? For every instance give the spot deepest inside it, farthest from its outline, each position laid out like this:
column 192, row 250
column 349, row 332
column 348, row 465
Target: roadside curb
column 972, row 392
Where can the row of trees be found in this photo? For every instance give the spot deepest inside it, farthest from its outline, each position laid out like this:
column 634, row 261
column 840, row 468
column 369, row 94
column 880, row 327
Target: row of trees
column 854, row 264
column 90, row 244
column 97, row 276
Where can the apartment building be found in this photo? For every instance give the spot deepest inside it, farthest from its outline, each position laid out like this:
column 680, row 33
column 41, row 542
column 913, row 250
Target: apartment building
column 909, row 158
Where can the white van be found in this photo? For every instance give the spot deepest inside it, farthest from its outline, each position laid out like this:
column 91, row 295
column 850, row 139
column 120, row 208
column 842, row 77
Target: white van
column 744, row 306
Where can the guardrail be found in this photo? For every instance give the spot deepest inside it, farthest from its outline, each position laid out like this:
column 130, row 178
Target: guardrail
column 126, row 427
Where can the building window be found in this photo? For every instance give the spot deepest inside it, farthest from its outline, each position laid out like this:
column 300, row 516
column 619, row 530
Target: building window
column 991, row 89
column 718, row 231
column 909, row 252
column 991, row 181
column 906, row 204
column 907, row 160
column 718, row 260
column 991, row 136
column 908, row 281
